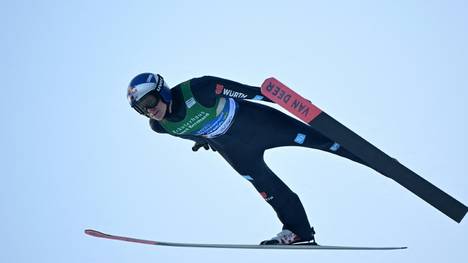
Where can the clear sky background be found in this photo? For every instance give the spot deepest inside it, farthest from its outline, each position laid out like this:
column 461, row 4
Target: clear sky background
column 74, row 155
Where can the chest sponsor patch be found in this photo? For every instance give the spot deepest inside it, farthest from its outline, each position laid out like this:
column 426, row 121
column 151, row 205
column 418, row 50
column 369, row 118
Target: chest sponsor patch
column 190, row 102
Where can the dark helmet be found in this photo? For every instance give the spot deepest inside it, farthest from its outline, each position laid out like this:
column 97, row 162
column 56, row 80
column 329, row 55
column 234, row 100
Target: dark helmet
column 144, row 84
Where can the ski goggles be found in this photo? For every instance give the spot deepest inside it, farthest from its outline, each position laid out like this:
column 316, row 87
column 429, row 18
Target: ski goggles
column 147, row 102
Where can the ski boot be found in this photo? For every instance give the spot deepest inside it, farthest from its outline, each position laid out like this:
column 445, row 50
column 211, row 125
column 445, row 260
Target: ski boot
column 286, row 237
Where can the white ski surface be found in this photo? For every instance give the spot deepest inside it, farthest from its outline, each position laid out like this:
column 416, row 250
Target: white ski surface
column 95, row 233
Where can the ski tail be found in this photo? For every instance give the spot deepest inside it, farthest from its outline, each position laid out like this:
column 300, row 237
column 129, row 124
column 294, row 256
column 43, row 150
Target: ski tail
column 368, row 153
column 95, row 233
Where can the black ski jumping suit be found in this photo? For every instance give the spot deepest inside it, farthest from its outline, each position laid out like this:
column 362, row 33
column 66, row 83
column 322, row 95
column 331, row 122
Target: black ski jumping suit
column 251, row 129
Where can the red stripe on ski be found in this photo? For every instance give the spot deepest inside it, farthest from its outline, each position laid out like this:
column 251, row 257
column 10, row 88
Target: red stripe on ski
column 290, row 100
column 95, row 233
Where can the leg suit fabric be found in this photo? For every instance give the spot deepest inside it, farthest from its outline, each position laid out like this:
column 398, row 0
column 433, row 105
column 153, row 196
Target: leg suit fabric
column 257, row 128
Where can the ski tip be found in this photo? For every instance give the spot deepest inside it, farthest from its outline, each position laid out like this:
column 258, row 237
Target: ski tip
column 94, row 233
column 270, row 79
column 267, row 81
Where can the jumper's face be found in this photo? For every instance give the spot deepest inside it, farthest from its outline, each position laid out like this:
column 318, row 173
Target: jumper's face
column 158, row 111
column 152, row 106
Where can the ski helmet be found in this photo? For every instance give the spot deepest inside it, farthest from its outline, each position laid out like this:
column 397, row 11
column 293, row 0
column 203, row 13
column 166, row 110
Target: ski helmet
column 147, row 84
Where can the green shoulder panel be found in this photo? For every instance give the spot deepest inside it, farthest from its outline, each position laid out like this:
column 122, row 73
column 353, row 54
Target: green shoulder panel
column 196, row 115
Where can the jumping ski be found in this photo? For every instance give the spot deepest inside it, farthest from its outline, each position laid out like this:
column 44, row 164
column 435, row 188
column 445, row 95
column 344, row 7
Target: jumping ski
column 95, row 233
column 368, row 153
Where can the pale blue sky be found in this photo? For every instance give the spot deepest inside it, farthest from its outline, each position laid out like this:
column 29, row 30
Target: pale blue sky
column 75, row 156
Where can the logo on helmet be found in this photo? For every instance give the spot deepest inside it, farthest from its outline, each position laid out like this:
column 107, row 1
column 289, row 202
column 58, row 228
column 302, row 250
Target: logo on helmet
column 159, row 83
column 131, row 91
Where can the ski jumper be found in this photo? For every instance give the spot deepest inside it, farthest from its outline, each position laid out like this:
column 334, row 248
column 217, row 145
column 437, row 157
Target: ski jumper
column 215, row 111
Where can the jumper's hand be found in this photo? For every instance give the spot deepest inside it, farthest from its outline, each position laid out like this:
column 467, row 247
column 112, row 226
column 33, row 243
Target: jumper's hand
column 198, row 145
